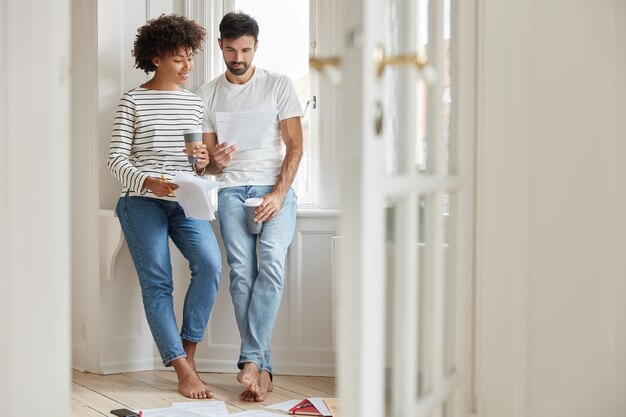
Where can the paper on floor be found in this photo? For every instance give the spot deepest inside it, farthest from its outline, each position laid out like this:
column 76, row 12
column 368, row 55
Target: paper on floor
column 206, row 408
column 284, row 406
column 256, row 413
column 170, row 412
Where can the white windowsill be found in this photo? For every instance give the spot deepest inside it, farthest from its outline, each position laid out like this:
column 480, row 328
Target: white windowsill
column 302, row 212
column 317, row 212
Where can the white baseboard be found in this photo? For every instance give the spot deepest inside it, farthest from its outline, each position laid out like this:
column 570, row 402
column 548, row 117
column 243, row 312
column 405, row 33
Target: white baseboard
column 280, row 368
column 79, row 357
column 203, row 365
column 136, row 365
column 304, row 369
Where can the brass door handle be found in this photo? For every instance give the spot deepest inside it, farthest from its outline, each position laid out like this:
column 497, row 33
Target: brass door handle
column 329, row 67
column 321, row 63
column 419, row 61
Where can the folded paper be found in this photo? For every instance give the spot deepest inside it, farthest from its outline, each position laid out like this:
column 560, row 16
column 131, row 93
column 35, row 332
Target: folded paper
column 194, row 195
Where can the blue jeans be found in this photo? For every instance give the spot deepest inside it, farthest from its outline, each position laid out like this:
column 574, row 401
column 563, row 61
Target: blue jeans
column 256, row 283
column 147, row 222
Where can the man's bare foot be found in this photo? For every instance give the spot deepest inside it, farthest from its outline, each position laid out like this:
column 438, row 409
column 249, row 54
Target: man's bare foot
column 189, row 383
column 249, row 378
column 265, row 386
column 247, row 395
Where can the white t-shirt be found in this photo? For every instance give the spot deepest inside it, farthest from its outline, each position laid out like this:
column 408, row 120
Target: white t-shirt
column 265, row 91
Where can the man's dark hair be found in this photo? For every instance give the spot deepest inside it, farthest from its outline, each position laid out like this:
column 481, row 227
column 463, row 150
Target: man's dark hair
column 166, row 35
column 234, row 25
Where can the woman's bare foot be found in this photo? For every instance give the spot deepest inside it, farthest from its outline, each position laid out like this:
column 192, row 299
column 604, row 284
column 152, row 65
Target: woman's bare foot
column 194, row 387
column 190, row 349
column 192, row 364
column 189, row 383
column 249, row 378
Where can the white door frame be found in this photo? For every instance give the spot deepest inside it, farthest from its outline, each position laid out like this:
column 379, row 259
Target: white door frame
column 360, row 308
column 502, row 207
column 36, row 169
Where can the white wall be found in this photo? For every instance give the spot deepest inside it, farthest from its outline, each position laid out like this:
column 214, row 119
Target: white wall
column 34, row 209
column 570, row 208
column 550, row 232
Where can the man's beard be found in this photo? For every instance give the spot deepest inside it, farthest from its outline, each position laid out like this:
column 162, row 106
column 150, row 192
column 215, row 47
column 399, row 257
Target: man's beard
column 237, row 71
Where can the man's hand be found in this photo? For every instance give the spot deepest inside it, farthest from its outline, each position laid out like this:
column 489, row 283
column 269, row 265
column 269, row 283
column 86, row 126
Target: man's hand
column 221, row 155
column 159, row 187
column 272, row 203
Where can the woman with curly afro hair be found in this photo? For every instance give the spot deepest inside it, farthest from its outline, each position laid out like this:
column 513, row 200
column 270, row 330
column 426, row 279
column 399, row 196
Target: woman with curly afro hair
column 146, row 151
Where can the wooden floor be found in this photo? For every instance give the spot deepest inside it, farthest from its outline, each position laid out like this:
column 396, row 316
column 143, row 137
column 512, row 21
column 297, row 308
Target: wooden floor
column 96, row 395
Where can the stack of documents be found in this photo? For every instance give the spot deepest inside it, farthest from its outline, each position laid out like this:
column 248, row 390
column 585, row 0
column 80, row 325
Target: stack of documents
column 215, row 408
column 203, row 409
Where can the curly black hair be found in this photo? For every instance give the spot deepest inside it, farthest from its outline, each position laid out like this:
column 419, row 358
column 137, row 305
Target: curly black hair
column 165, row 35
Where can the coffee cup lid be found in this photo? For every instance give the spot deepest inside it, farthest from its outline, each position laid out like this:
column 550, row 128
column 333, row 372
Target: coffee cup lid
column 253, row 202
column 188, row 131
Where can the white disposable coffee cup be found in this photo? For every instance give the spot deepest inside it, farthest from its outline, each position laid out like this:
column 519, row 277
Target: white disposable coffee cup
column 193, row 138
column 250, row 206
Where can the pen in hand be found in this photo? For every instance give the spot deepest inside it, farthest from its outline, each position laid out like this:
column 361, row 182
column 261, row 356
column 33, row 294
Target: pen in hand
column 167, row 184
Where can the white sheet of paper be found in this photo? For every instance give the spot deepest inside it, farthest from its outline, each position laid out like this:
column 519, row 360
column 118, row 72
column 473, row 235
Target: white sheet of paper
column 284, row 406
column 256, row 413
column 170, row 412
column 193, row 195
column 320, row 405
column 212, row 408
column 246, row 130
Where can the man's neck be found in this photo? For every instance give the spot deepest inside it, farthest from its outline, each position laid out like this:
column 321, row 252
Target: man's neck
column 240, row 79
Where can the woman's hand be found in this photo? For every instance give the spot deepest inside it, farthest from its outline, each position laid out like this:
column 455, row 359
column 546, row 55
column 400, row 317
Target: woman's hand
column 201, row 153
column 159, row 187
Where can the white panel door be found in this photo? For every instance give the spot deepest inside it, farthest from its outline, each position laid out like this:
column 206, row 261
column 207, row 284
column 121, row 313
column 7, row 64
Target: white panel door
column 406, row 199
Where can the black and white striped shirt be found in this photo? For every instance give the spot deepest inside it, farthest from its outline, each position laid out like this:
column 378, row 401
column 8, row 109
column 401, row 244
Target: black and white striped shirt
column 147, row 139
